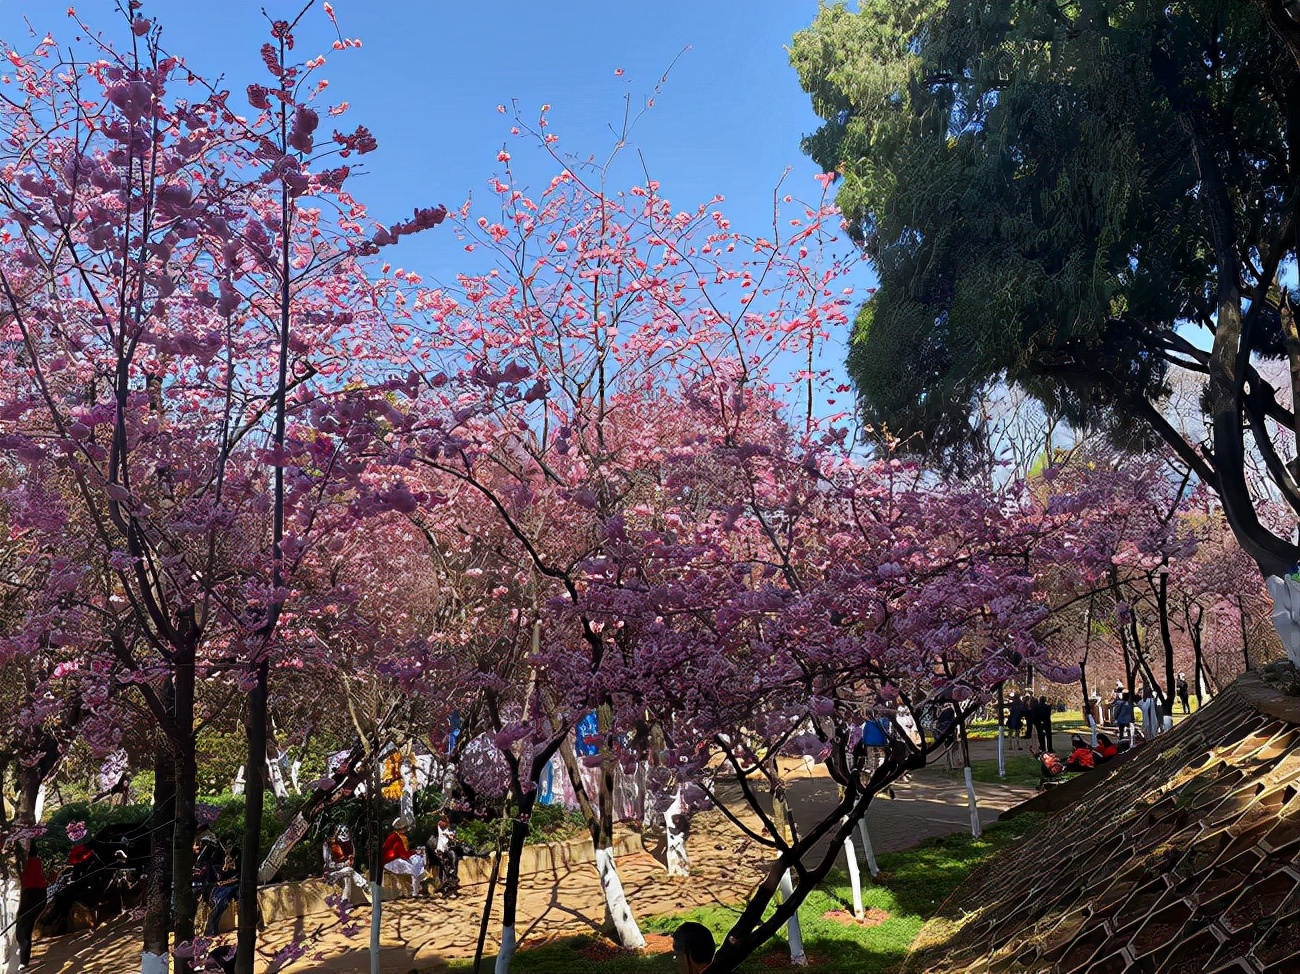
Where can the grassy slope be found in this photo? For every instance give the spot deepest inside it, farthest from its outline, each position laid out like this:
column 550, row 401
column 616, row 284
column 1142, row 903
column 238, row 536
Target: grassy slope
column 911, row 887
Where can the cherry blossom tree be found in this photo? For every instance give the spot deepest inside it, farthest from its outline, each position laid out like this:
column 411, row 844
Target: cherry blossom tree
column 181, row 284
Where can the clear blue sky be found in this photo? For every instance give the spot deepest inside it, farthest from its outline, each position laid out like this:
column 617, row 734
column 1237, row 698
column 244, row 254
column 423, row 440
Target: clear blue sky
column 431, row 72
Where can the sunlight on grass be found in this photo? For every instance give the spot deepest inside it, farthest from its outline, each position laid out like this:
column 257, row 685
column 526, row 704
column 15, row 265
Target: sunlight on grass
column 911, row 887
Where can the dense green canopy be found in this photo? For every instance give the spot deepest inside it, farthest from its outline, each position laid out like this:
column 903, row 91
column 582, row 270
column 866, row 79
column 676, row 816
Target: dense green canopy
column 1061, row 194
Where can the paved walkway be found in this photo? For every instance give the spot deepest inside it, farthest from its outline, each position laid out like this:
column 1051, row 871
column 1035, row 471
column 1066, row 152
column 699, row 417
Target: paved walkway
column 418, row 935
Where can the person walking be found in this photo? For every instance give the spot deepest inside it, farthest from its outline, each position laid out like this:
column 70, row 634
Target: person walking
column 1042, row 714
column 1124, row 718
column 1092, row 710
column 1016, row 719
column 1183, row 693
column 31, row 901
column 1150, row 714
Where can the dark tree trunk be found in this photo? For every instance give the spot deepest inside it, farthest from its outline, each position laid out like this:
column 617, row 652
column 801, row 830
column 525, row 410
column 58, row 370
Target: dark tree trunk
column 184, row 825
column 254, row 797
column 487, row 907
column 1198, row 660
column 1245, row 637
column 518, row 836
column 158, row 909
column 1167, row 639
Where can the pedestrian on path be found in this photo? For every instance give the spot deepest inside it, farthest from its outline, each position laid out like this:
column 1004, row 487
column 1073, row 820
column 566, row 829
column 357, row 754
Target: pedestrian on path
column 1150, row 715
column 1124, row 718
column 1183, row 693
column 1042, row 719
column 1016, row 719
column 31, row 901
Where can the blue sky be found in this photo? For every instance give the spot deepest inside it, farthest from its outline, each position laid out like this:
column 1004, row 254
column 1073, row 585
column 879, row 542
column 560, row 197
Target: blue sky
column 430, row 74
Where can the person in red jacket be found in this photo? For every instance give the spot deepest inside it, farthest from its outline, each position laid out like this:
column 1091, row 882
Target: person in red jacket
column 398, row 858
column 1081, row 756
column 31, row 901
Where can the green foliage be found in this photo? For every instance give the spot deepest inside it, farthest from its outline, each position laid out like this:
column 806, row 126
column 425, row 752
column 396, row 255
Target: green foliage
column 1022, row 177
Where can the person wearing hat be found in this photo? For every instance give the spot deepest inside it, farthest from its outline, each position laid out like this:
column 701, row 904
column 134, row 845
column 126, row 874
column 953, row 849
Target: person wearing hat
column 693, row 947
column 340, row 862
column 398, row 858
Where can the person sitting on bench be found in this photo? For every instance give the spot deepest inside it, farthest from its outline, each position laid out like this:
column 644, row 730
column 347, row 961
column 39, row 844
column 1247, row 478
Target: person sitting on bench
column 340, row 862
column 398, row 857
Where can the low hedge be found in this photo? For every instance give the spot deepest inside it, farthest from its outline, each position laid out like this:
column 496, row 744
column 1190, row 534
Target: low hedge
column 550, row 823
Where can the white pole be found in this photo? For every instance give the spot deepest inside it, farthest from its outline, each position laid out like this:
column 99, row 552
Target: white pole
column 797, row 956
column 855, row 877
column 974, row 808
column 1002, row 757
column 866, row 847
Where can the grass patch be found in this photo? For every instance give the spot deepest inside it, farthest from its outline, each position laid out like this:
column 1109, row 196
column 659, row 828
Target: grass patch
column 1022, row 769
column 1067, row 723
column 911, row 887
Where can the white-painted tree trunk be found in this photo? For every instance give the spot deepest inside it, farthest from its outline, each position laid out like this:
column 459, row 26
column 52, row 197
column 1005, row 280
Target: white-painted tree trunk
column 678, row 863
column 1286, row 613
column 1002, row 753
column 507, row 950
column 275, row 774
column 281, row 848
column 153, row 963
column 625, row 925
column 9, row 895
column 407, row 802
column 1092, row 727
column 40, row 804
column 376, row 912
column 868, row 852
column 855, row 877
column 973, row 804
column 792, row 929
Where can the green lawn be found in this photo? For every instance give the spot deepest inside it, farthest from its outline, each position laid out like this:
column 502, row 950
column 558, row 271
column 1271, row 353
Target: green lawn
column 911, row 886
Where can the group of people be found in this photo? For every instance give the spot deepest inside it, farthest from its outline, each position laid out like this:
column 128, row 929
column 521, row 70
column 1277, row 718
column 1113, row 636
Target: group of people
column 1123, row 712
column 1029, row 715
column 441, row 855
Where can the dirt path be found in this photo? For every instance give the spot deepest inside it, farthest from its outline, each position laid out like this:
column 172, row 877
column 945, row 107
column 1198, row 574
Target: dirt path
column 420, row 934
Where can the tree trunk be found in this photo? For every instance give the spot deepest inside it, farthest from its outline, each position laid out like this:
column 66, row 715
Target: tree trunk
column 855, row 876
column 789, row 831
column 971, row 801
column 1198, row 660
column 619, row 919
column 184, row 825
column 351, row 774
column 1167, row 639
column 868, row 852
column 1245, row 637
column 510, row 893
column 251, row 849
column 487, row 906
column 676, row 859
column 158, row 908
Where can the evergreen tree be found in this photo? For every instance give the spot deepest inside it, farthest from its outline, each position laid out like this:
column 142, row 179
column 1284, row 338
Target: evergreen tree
column 1077, row 197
